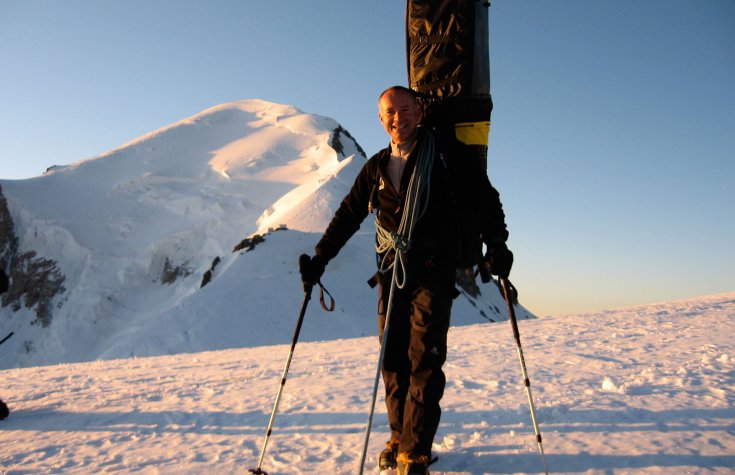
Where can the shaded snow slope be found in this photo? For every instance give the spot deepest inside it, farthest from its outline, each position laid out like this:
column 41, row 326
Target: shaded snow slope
column 644, row 390
column 131, row 233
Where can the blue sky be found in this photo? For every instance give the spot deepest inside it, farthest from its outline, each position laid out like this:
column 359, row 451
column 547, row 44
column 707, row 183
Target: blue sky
column 613, row 132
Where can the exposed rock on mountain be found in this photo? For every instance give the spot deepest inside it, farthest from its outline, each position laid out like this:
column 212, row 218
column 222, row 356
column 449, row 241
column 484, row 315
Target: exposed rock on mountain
column 35, row 281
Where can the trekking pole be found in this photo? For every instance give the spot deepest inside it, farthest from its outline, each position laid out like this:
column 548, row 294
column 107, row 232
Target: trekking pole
column 6, row 338
column 307, row 296
column 506, row 287
column 376, row 383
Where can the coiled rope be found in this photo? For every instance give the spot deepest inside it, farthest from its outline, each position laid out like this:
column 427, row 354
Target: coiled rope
column 417, row 200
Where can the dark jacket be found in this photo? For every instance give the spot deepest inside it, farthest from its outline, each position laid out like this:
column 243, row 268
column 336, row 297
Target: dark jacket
column 464, row 208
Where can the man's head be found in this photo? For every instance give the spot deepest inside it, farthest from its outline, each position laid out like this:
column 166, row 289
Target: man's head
column 399, row 113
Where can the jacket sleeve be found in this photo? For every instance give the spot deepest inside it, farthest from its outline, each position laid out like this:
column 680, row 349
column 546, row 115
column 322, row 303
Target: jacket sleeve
column 488, row 209
column 350, row 214
column 493, row 227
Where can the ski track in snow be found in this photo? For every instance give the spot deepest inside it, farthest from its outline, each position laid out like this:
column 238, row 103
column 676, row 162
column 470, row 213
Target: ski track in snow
column 645, row 389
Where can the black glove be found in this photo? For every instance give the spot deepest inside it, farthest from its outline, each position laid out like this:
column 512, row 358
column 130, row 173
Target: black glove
column 311, row 269
column 498, row 259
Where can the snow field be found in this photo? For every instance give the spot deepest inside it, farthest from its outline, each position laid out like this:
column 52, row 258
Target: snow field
column 646, row 389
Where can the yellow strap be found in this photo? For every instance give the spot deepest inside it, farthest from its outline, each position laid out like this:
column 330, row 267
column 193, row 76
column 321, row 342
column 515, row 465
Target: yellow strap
column 473, row 133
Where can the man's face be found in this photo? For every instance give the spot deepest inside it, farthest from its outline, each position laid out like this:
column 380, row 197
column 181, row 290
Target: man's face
column 399, row 113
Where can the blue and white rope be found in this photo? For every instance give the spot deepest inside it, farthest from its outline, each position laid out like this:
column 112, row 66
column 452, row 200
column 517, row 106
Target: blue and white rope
column 417, row 199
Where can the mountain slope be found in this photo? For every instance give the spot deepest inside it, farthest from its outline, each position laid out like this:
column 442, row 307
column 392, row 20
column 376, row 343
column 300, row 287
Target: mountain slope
column 107, row 255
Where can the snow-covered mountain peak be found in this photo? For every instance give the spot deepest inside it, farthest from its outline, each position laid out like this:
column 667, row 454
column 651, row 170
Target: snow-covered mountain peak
column 237, row 140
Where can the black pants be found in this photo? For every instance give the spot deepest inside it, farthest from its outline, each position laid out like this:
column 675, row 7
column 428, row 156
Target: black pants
column 415, row 351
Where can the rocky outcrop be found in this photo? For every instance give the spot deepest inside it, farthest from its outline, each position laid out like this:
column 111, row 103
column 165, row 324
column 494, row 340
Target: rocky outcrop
column 339, row 136
column 35, row 281
column 172, row 271
column 8, row 240
column 246, row 245
column 249, row 243
column 207, row 277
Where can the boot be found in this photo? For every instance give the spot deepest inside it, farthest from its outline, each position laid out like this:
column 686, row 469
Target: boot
column 413, row 465
column 387, row 458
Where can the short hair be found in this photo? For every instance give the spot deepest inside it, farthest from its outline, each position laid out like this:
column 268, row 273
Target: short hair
column 411, row 92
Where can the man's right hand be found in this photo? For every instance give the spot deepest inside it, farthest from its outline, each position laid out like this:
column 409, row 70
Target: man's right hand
column 311, row 269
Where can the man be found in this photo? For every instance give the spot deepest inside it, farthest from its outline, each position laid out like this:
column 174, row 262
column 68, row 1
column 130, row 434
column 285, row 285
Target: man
column 417, row 269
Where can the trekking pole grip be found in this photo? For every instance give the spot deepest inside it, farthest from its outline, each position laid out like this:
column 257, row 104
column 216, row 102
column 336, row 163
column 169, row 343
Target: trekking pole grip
column 506, row 287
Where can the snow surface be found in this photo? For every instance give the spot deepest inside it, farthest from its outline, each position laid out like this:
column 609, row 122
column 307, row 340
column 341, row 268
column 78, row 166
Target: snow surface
column 639, row 390
column 186, row 195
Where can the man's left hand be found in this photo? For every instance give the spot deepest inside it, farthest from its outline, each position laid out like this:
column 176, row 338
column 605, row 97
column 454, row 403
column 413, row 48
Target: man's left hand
column 498, row 259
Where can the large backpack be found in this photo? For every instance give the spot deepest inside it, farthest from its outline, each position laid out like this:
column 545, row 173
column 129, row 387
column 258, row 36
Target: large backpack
column 448, row 66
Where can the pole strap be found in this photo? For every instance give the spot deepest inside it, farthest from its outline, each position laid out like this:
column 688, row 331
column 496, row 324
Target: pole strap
column 322, row 300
